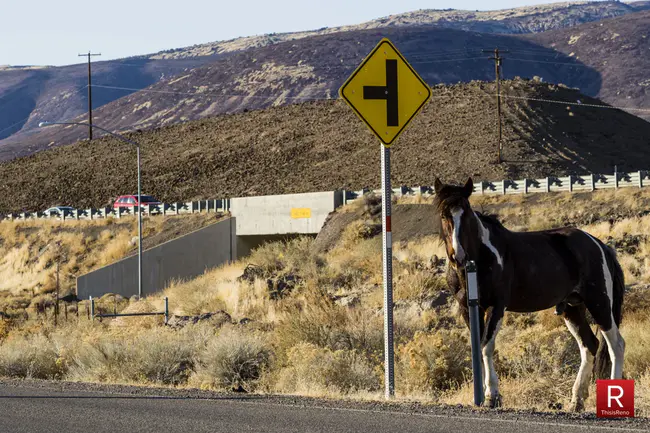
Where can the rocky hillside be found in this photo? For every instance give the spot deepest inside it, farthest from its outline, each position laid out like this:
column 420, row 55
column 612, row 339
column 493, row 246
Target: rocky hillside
column 526, row 19
column 619, row 49
column 322, row 145
column 291, row 66
column 29, row 95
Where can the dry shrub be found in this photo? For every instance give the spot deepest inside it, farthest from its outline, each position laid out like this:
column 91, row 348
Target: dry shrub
column 637, row 347
column 365, row 260
column 233, row 358
column 317, row 370
column 537, row 351
column 293, row 256
column 319, row 321
column 530, row 392
column 418, row 284
column 433, row 362
column 162, row 356
column 642, row 393
column 30, row 356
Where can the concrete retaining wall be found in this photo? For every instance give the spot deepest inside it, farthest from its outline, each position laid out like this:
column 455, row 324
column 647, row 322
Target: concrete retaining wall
column 182, row 258
column 284, row 214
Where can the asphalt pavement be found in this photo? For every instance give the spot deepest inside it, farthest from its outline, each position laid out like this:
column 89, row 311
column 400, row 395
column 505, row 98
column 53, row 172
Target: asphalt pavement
column 48, row 407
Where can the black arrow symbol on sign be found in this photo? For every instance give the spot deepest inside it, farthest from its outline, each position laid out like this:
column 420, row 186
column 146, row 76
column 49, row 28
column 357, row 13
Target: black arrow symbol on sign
column 387, row 92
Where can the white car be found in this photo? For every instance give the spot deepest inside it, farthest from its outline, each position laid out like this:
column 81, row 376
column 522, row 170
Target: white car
column 59, row 210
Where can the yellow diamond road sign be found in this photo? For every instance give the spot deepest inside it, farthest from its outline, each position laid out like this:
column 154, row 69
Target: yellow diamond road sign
column 385, row 92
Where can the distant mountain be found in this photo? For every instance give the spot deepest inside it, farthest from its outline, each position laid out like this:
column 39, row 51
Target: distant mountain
column 256, row 72
column 618, row 49
column 29, row 95
column 527, row 19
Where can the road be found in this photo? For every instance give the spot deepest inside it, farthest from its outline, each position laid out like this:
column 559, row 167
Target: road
column 51, row 408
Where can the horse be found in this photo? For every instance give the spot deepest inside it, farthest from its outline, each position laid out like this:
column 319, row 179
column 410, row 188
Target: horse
column 565, row 268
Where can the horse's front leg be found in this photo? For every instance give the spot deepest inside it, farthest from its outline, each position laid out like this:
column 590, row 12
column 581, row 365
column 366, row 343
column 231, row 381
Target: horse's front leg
column 493, row 318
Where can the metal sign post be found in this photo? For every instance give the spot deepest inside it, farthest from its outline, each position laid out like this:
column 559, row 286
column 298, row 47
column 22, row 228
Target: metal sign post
column 475, row 331
column 389, row 356
column 386, row 93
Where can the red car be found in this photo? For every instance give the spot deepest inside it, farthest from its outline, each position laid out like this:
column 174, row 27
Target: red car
column 132, row 201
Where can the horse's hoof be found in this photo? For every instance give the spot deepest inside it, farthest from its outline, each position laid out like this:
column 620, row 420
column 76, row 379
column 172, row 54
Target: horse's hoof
column 494, row 402
column 577, row 406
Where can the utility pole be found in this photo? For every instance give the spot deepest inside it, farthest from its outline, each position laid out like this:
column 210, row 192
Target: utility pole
column 90, row 95
column 497, row 69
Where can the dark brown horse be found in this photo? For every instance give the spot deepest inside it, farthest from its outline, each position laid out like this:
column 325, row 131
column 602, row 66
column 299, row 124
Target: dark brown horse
column 564, row 268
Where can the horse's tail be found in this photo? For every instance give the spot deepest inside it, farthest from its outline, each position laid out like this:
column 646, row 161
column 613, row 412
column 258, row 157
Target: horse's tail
column 603, row 363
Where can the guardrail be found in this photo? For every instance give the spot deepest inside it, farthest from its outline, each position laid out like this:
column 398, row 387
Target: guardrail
column 572, row 183
column 218, row 206
column 116, row 314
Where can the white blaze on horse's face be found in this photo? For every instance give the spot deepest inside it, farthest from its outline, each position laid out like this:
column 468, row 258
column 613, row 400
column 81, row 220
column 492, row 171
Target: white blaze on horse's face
column 459, row 253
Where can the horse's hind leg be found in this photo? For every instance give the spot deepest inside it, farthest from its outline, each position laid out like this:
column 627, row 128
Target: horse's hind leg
column 492, row 323
column 615, row 342
column 576, row 321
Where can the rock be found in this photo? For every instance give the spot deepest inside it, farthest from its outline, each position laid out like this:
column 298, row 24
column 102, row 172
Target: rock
column 439, row 300
column 218, row 319
column 281, row 285
column 251, row 272
column 347, row 301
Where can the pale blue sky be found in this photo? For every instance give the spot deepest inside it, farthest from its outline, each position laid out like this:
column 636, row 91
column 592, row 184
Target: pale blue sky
column 53, row 32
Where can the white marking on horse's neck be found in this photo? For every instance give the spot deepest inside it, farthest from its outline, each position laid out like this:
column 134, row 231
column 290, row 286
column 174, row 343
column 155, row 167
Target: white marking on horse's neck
column 459, row 253
column 485, row 238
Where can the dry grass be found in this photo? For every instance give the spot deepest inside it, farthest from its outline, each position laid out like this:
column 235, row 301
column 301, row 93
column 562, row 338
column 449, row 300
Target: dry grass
column 324, row 335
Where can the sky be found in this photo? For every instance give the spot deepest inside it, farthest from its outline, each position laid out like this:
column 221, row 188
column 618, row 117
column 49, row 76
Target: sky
column 46, row 32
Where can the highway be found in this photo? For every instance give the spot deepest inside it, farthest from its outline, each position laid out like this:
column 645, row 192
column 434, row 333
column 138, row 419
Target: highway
column 52, row 407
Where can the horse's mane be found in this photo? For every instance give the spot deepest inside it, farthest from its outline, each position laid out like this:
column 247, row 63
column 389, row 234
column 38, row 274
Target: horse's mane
column 490, row 219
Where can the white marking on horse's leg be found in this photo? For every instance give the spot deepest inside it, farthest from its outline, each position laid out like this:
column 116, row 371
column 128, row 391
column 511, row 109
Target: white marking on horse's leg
column 459, row 253
column 616, row 347
column 490, row 379
column 581, row 385
column 485, row 238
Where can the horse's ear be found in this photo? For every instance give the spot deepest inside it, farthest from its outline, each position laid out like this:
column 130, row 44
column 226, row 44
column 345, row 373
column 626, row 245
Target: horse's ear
column 468, row 189
column 437, row 185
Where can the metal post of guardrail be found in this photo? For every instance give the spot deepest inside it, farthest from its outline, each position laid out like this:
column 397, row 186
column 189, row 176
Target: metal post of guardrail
column 166, row 310
column 92, row 308
column 475, row 331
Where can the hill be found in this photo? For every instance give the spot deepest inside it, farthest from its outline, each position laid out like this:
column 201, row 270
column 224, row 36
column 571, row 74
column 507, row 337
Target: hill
column 307, row 69
column 619, row 49
column 28, row 95
column 287, row 69
column 521, row 20
column 321, row 145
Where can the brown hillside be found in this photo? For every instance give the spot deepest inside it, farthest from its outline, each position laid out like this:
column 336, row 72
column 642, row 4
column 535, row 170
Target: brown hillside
column 618, row 48
column 323, row 146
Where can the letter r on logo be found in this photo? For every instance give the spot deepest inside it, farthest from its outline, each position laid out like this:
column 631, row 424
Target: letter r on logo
column 616, row 397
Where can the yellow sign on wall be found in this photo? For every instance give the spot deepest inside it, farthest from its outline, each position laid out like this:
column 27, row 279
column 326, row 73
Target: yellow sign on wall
column 385, row 92
column 300, row 212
